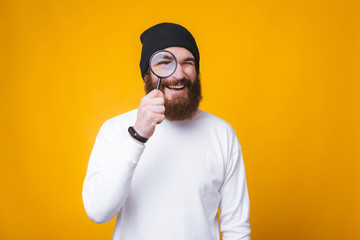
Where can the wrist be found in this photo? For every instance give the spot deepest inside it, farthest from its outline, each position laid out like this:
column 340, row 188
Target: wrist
column 135, row 135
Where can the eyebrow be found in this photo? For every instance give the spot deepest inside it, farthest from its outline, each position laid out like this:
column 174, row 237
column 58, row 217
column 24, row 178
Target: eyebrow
column 189, row 59
column 165, row 57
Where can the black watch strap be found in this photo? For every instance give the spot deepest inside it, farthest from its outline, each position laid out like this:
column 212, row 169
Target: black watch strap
column 135, row 135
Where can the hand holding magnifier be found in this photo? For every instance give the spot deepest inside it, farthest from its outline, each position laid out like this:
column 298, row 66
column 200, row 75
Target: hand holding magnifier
column 162, row 64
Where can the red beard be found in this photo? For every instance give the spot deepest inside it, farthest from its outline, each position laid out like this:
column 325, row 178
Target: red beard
column 183, row 107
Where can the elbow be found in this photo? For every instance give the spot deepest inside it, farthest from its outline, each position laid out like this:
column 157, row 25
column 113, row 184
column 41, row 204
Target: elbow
column 96, row 211
column 97, row 216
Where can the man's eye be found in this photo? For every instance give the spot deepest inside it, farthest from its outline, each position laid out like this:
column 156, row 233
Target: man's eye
column 164, row 63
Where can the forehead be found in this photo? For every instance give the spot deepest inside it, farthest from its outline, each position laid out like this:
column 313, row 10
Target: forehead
column 180, row 53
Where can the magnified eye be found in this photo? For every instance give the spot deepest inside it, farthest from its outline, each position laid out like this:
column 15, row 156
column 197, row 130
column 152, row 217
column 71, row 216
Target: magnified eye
column 164, row 63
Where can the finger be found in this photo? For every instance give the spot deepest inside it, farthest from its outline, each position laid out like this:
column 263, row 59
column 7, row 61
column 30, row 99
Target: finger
column 159, row 101
column 159, row 93
column 156, row 109
column 154, row 93
column 158, row 118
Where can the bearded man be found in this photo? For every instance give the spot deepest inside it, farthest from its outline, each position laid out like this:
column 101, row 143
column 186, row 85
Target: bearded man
column 191, row 166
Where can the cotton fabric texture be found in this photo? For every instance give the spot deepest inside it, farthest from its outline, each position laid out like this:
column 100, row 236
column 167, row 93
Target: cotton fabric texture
column 173, row 187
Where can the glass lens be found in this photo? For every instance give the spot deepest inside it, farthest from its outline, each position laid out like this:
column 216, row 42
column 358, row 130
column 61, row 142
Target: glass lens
column 163, row 64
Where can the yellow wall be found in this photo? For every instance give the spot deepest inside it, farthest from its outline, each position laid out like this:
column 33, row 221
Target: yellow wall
column 285, row 74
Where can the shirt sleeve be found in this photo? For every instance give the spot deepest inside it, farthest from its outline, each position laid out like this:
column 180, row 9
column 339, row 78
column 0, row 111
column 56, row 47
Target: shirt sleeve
column 234, row 205
column 111, row 166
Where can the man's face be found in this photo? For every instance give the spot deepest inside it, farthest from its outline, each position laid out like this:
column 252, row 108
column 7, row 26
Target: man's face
column 182, row 89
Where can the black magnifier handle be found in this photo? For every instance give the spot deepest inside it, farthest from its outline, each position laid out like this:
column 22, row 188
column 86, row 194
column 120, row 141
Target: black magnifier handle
column 158, row 84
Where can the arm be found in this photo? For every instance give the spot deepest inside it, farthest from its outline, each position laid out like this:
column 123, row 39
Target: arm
column 108, row 179
column 234, row 205
column 114, row 158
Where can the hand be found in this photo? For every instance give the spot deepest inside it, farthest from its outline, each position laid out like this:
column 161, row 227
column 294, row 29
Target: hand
column 150, row 113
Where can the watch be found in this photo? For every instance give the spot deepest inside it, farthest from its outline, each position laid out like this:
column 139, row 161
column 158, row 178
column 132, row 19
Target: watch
column 137, row 136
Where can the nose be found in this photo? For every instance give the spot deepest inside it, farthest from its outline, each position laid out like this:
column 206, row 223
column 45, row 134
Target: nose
column 179, row 73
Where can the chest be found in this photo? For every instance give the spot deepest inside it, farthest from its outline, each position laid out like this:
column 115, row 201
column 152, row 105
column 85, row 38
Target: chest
column 185, row 164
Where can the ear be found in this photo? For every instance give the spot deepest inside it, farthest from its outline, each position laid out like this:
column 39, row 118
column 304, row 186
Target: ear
column 147, row 76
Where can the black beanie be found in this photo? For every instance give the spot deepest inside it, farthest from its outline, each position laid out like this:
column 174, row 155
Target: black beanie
column 166, row 35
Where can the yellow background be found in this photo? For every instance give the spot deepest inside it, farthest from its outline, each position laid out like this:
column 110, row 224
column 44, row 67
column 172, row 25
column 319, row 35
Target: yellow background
column 284, row 74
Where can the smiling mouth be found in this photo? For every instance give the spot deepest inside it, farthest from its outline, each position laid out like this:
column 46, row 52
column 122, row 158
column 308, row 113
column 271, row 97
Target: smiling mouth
column 177, row 87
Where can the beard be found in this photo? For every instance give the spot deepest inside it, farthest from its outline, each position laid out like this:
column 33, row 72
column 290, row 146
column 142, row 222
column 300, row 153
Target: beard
column 181, row 107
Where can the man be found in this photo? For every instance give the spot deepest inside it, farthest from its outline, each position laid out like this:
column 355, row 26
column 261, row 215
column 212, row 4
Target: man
column 191, row 165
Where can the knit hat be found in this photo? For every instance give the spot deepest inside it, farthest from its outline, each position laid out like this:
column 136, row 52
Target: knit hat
column 166, row 35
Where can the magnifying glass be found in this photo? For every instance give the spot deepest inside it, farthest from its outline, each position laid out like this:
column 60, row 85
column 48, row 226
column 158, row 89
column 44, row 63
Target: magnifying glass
column 163, row 64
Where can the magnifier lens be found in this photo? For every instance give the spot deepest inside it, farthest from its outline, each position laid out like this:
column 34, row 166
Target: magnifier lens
column 163, row 64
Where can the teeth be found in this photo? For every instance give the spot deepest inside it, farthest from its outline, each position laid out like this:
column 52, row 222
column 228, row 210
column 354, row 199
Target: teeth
column 176, row 87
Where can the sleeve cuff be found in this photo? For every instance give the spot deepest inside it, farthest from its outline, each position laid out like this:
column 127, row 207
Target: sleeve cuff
column 130, row 150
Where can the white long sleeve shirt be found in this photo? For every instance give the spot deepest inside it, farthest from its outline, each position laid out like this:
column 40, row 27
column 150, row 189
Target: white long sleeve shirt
column 172, row 188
